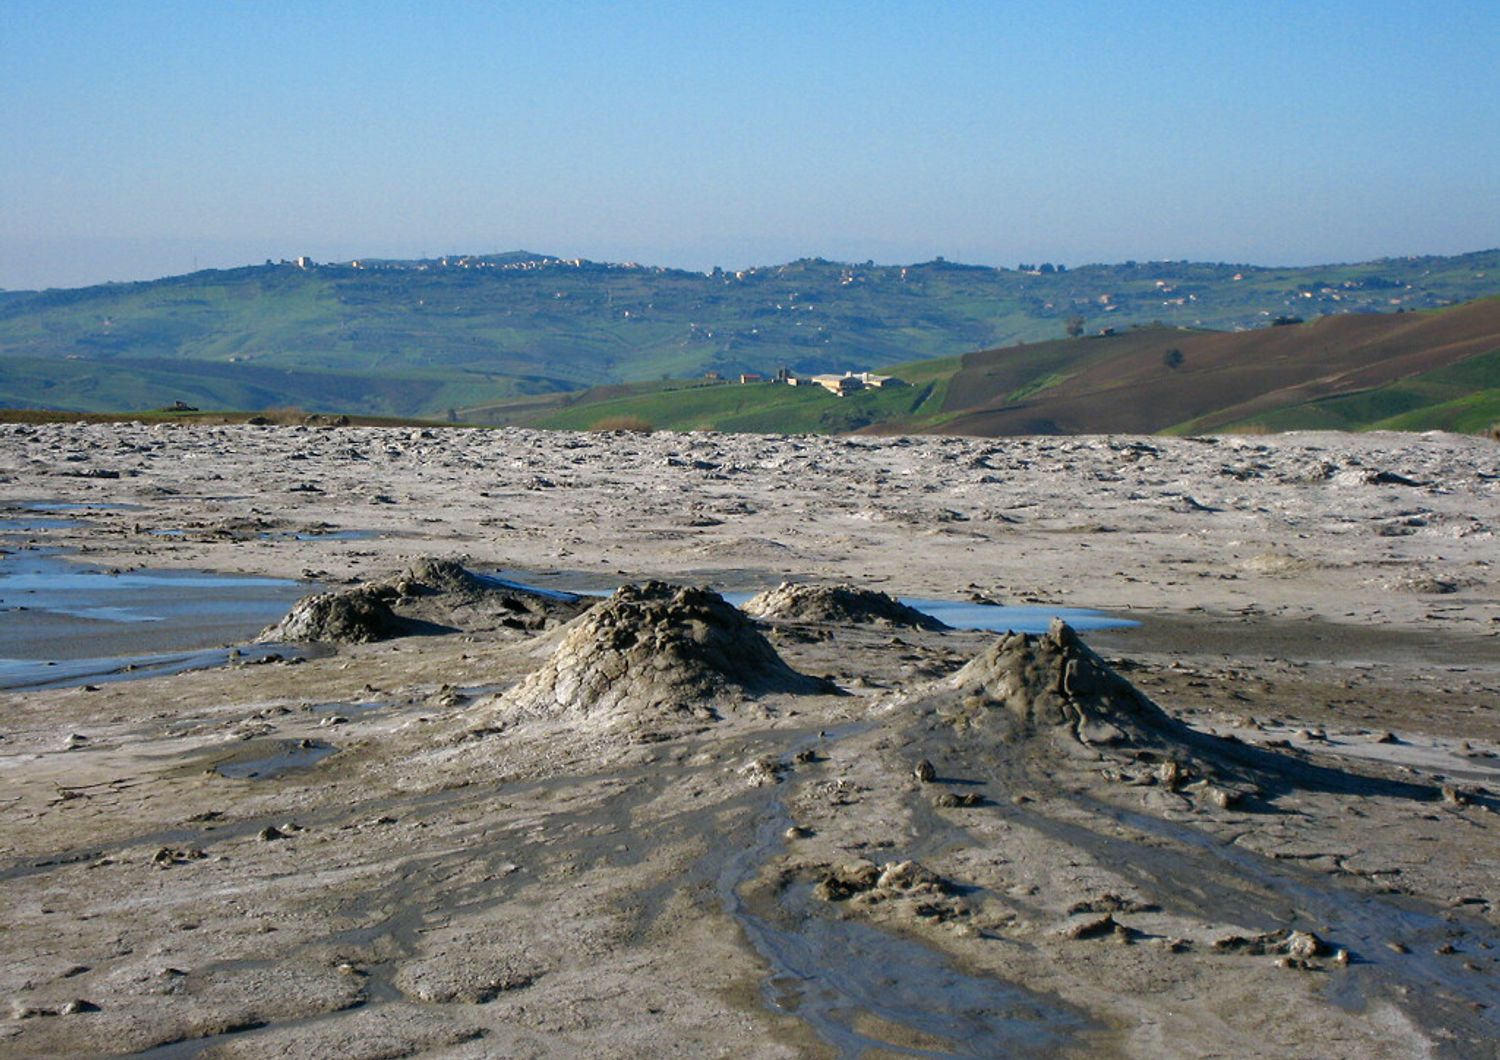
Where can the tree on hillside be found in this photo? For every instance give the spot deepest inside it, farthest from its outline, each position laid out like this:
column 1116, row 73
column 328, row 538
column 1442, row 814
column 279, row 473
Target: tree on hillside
column 1075, row 326
column 1172, row 358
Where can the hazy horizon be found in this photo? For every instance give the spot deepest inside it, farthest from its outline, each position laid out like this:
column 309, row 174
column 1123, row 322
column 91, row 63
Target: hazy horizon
column 200, row 259
column 149, row 141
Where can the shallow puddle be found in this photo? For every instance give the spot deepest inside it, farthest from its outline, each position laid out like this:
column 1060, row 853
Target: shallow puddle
column 77, row 506
column 257, row 761
column 17, row 674
column 326, row 535
column 1020, row 618
column 55, row 610
column 27, row 524
column 960, row 614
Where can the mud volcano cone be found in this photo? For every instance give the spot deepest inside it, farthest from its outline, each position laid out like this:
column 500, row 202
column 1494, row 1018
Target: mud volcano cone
column 837, row 603
column 658, row 651
column 430, row 577
column 354, row 616
column 429, row 596
column 1054, row 683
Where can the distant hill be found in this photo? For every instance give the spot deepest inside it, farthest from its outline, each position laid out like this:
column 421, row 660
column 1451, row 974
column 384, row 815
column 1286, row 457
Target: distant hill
column 1435, row 369
column 1414, row 371
column 482, row 336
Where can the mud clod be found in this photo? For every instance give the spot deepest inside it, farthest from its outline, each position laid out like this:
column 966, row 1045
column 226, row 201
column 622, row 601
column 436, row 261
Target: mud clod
column 1089, row 927
column 1112, row 903
column 918, row 890
column 1297, row 945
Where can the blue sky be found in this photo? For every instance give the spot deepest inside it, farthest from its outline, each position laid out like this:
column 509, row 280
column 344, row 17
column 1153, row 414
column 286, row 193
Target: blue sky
column 142, row 139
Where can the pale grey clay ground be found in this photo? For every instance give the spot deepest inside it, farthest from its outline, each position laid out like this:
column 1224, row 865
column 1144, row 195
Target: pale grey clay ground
column 1262, row 823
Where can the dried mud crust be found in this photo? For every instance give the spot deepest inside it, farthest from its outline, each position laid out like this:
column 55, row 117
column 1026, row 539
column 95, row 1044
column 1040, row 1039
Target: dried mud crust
column 464, row 879
column 1035, row 799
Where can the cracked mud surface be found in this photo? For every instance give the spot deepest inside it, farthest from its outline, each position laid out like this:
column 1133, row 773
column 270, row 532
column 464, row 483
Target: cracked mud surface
column 387, row 849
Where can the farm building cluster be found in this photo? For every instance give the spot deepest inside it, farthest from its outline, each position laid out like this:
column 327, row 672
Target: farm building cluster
column 838, row 385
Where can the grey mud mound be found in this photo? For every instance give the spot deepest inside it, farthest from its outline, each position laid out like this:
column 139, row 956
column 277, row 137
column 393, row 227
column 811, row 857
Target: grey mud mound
column 429, row 596
column 1053, row 682
column 837, row 603
column 657, row 651
column 1054, row 695
column 355, row 616
column 445, row 577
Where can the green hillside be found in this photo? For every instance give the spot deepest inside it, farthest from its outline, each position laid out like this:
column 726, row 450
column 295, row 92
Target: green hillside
column 1463, row 397
column 481, row 334
column 1409, row 371
column 764, row 407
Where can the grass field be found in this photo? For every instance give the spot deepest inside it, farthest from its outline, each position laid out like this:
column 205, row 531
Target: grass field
column 1463, row 397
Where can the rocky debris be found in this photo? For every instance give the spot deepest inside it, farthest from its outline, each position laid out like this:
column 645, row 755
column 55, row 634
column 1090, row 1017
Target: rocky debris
column 22, row 1010
column 429, row 596
column 1299, row 946
column 950, row 800
column 1090, row 927
column 1112, row 903
column 657, row 651
column 837, row 603
column 845, row 881
column 924, row 772
column 166, row 857
column 913, row 888
column 1223, row 798
column 865, row 877
column 1458, row 796
column 767, row 769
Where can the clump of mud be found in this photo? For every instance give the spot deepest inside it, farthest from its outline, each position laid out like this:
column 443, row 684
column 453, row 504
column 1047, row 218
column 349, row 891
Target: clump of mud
column 837, row 603
column 429, row 596
column 658, row 652
column 1055, row 682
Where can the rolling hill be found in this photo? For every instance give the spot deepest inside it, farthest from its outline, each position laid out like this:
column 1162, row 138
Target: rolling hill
column 1436, row 369
column 1292, row 375
column 484, row 336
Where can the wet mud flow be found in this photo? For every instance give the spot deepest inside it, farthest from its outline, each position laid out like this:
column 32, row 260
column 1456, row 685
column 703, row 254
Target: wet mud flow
column 861, row 988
